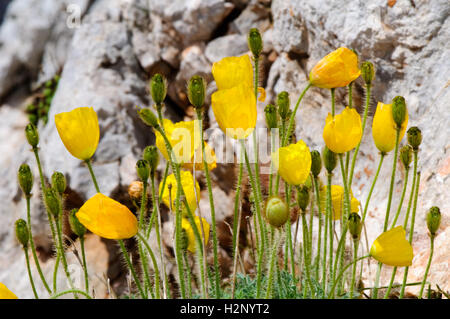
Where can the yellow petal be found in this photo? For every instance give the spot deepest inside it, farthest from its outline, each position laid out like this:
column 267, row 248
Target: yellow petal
column 343, row 132
column 233, row 71
column 392, row 248
column 187, row 183
column 262, row 93
column 384, row 128
column 293, row 162
column 337, row 69
column 211, row 159
column 235, row 110
column 5, row 293
column 186, row 225
column 79, row 131
column 108, row 218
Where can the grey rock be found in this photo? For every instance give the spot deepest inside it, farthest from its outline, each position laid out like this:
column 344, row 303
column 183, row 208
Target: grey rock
column 255, row 15
column 229, row 45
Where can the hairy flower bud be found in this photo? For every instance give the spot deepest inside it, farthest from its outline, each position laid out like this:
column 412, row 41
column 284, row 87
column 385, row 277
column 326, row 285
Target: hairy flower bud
column 354, row 225
column 32, row 134
column 59, row 182
column 433, row 220
column 22, row 234
column 414, row 137
column 316, row 163
column 399, row 110
column 151, row 155
column 303, row 197
column 405, row 155
column 197, row 91
column 135, row 189
column 276, row 212
column 148, row 117
column 25, row 178
column 255, row 43
column 283, row 104
column 143, row 170
column 329, row 159
column 158, row 88
column 271, row 116
column 367, row 72
column 77, row 227
column 52, row 202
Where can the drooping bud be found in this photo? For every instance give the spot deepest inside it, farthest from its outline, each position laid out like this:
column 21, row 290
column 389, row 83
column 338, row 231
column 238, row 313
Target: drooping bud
column 433, row 220
column 22, row 234
column 59, row 182
column 143, row 170
column 329, row 159
column 354, row 225
column 197, row 91
column 52, row 202
column 25, row 178
column 283, row 103
column 405, row 155
column 158, row 88
column 316, row 163
column 414, row 137
column 148, row 117
column 77, row 227
column 271, row 116
column 255, row 43
column 367, row 72
column 399, row 110
column 303, row 197
column 32, row 135
column 276, row 212
column 151, row 155
column 135, row 189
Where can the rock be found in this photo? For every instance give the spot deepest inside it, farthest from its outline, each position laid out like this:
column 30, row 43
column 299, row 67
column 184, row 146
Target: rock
column 255, row 15
column 229, row 45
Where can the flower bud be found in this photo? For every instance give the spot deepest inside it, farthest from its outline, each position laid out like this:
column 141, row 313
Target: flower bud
column 283, row 104
column 276, row 212
column 433, row 220
column 316, row 163
column 271, row 116
column 22, row 234
column 405, row 155
column 135, row 189
column 367, row 72
column 148, row 117
column 77, row 227
column 255, row 43
column 329, row 159
column 32, row 135
column 59, row 182
column 399, row 110
column 52, row 202
column 354, row 225
column 25, row 178
column 151, row 155
column 414, row 137
column 197, row 91
column 143, row 170
column 303, row 197
column 158, row 88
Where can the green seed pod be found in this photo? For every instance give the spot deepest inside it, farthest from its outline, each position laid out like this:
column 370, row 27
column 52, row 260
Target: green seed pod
column 77, row 227
column 405, row 155
column 255, row 43
column 143, row 170
column 151, row 155
column 414, row 137
column 32, row 135
column 283, row 103
column 148, row 117
column 433, row 220
column 197, row 91
column 399, row 110
column 316, row 163
column 22, row 234
column 276, row 212
column 354, row 225
column 59, row 182
column 329, row 159
column 303, row 197
column 158, row 88
column 52, row 202
column 25, row 178
column 367, row 72
column 271, row 116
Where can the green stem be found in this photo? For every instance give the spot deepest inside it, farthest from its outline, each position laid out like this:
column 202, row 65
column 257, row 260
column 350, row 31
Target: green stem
column 306, row 253
column 71, row 291
column 58, row 222
column 355, row 257
column 289, row 246
column 30, row 276
column 144, row 263
column 132, row 270
column 331, row 293
column 291, row 120
column 91, row 171
column 155, row 264
column 272, row 265
column 428, row 266
column 372, row 187
column 329, row 219
column 319, row 242
column 399, row 208
column 83, row 256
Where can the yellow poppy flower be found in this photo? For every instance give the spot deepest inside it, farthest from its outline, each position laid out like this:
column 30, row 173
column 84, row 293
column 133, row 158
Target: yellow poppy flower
column 293, row 162
column 343, row 132
column 235, row 110
column 336, row 69
column 384, row 128
column 186, row 225
column 184, row 137
column 392, row 248
column 79, row 131
column 5, row 293
column 337, row 201
column 210, row 159
column 187, row 182
column 107, row 218
column 233, row 71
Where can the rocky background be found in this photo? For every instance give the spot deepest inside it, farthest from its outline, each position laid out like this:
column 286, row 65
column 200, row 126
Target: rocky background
column 106, row 50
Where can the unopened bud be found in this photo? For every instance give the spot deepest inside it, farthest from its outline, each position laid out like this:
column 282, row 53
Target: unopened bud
column 405, row 155
column 271, row 116
column 148, row 117
column 354, row 225
column 52, row 202
column 303, row 197
column 158, row 88
column 22, row 234
column 151, row 155
column 433, row 220
column 367, row 72
column 329, row 159
column 276, row 212
column 399, row 110
column 414, row 137
column 32, row 135
column 59, row 182
column 197, row 91
column 25, row 178
column 76, row 226
column 255, row 43
column 283, row 104
column 143, row 170
column 316, row 163
column 135, row 189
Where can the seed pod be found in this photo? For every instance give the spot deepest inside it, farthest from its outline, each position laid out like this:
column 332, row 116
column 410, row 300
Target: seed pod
column 158, row 88
column 32, row 134
column 283, row 104
column 135, row 189
column 303, row 197
column 77, row 227
column 354, row 225
column 197, row 91
column 329, row 159
column 143, row 170
column 433, row 220
column 276, row 212
column 59, row 182
column 52, row 202
column 148, row 117
column 405, row 155
column 414, row 137
column 399, row 110
column 367, row 72
column 255, row 43
column 22, row 234
column 316, row 163
column 151, row 155
column 25, row 178
column 271, row 116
